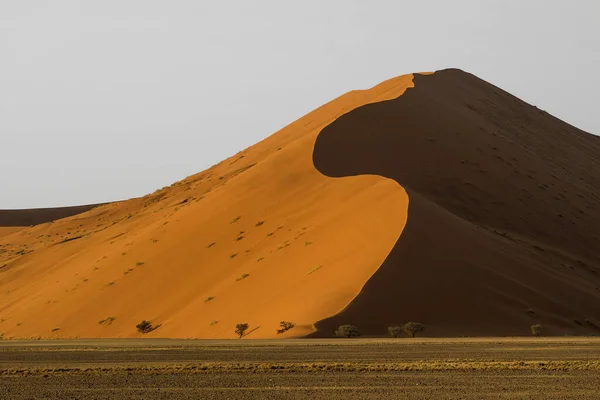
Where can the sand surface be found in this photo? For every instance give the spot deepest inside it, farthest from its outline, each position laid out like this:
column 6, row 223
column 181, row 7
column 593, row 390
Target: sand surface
column 7, row 230
column 259, row 238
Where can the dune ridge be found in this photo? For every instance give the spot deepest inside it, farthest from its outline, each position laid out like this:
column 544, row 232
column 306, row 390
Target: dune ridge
column 504, row 218
column 259, row 238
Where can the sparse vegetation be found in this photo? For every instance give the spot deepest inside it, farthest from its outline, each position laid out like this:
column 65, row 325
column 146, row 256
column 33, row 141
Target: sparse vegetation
column 307, row 243
column 145, row 327
column 233, row 255
column 243, row 276
column 209, row 298
column 412, row 328
column 591, row 323
column 55, row 329
column 236, row 219
column 139, row 263
column 210, row 245
column 240, row 329
column 395, row 330
column 347, row 331
column 106, row 321
column 213, row 322
column 260, row 259
column 285, row 326
column 259, row 223
column 536, row 330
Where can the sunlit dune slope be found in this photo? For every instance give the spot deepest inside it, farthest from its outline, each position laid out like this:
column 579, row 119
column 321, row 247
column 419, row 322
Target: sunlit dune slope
column 504, row 218
column 259, row 238
column 7, row 230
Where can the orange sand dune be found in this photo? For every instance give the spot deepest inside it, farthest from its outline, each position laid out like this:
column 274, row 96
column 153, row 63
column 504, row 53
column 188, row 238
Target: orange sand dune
column 314, row 225
column 259, row 238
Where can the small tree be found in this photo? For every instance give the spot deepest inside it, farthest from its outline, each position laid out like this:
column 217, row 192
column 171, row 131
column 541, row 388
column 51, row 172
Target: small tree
column 395, row 330
column 144, row 327
column 240, row 329
column 347, row 331
column 412, row 328
column 285, row 326
column 536, row 330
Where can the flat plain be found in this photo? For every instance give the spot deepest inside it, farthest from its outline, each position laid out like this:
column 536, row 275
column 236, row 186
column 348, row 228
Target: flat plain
column 458, row 368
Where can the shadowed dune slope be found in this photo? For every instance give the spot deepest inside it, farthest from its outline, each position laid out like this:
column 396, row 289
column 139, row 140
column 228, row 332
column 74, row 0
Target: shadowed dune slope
column 503, row 225
column 35, row 216
column 259, row 238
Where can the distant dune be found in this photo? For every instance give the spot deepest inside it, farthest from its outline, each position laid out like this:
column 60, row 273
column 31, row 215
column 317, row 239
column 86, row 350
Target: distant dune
column 437, row 198
column 35, row 216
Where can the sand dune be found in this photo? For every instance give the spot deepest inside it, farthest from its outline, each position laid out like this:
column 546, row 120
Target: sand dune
column 259, row 238
column 430, row 197
column 35, row 216
column 504, row 218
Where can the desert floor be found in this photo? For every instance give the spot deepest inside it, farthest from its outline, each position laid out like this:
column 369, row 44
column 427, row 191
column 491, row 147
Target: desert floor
column 459, row 368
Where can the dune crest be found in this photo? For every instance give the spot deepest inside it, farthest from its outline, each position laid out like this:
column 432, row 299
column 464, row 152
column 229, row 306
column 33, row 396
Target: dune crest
column 259, row 238
column 504, row 217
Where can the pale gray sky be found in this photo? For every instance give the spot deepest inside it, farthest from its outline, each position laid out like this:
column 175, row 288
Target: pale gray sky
column 106, row 100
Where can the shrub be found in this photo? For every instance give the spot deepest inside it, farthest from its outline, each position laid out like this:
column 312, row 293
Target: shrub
column 536, row 330
column 243, row 276
column 412, row 328
column 107, row 321
column 395, row 330
column 591, row 323
column 285, row 326
column 145, row 327
column 347, row 331
column 240, row 329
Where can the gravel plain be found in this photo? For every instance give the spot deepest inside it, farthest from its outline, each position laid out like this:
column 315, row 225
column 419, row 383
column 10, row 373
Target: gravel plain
column 544, row 368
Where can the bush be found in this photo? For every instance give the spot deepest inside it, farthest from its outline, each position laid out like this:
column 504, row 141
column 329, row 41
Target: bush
column 412, row 328
column 240, row 329
column 395, row 330
column 285, row 326
column 347, row 331
column 145, row 327
column 536, row 330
